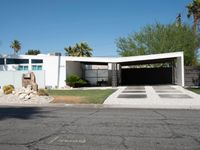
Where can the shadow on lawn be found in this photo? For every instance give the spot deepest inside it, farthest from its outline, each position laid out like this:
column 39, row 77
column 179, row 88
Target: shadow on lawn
column 21, row 112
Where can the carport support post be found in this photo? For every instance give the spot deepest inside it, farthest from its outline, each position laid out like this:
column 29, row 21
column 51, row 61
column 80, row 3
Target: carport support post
column 173, row 72
column 114, row 74
column 180, row 71
column 109, row 74
column 119, row 74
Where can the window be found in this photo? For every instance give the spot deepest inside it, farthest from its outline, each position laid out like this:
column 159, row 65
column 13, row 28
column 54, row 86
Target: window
column 39, row 67
column 1, row 61
column 22, row 68
column 16, row 61
column 36, row 61
column 36, row 67
column 25, row 67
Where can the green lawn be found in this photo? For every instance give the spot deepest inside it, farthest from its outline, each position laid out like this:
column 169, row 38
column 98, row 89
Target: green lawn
column 195, row 90
column 90, row 96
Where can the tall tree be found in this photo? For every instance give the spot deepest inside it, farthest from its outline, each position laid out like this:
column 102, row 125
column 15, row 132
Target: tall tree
column 83, row 50
column 194, row 10
column 79, row 50
column 16, row 45
column 33, row 52
column 158, row 38
column 178, row 20
column 70, row 51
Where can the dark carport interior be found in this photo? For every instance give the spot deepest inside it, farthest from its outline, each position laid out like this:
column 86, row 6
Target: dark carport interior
column 148, row 72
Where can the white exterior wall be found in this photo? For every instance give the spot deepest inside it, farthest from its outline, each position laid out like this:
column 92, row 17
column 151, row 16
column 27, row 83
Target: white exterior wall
column 62, row 72
column 15, row 78
column 50, row 65
column 74, row 68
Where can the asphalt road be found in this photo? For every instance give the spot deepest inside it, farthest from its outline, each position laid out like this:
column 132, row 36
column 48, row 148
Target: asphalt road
column 64, row 128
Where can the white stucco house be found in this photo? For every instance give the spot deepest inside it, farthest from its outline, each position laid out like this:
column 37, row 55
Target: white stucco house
column 51, row 70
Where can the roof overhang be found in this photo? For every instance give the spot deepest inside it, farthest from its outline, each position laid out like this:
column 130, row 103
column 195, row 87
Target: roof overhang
column 143, row 62
column 144, row 59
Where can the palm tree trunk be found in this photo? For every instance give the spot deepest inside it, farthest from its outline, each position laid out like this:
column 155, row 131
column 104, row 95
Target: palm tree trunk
column 14, row 53
column 195, row 24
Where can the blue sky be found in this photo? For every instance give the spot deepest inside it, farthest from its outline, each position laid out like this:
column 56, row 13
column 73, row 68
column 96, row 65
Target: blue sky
column 51, row 25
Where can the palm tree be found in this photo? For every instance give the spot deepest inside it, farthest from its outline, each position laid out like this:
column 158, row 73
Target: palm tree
column 85, row 50
column 79, row 50
column 16, row 45
column 33, row 52
column 194, row 10
column 70, row 51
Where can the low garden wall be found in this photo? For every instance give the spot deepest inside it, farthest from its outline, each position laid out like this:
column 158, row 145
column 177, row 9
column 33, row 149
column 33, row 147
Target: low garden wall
column 192, row 76
column 15, row 78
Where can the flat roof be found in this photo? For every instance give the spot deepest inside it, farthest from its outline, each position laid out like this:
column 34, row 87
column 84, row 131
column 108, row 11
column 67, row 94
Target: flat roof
column 142, row 59
column 147, row 58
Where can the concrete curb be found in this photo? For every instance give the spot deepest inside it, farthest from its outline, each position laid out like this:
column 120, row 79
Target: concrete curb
column 187, row 107
column 196, row 107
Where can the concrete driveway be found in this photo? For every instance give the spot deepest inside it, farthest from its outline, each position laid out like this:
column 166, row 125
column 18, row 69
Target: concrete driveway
column 165, row 96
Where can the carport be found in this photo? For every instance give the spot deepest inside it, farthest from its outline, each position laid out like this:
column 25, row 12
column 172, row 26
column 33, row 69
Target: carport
column 135, row 70
column 148, row 72
column 167, row 68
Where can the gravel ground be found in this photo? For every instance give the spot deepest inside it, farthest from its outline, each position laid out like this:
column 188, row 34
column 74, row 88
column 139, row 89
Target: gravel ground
column 10, row 98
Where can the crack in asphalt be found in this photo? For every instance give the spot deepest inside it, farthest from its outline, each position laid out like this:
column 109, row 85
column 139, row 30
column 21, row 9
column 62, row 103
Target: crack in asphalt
column 194, row 138
column 81, row 117
column 123, row 142
column 30, row 145
column 174, row 134
column 164, row 120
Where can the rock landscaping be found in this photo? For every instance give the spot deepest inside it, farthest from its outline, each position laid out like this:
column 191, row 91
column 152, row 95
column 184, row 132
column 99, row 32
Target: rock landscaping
column 25, row 93
column 25, row 96
column 28, row 94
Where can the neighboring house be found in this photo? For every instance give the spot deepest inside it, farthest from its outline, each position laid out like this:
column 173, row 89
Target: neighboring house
column 52, row 69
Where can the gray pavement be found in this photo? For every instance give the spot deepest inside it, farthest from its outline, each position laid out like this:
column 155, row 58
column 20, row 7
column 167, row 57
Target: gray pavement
column 164, row 96
column 61, row 128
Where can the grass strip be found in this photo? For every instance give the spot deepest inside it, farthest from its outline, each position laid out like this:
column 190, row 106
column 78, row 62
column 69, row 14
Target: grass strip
column 90, row 96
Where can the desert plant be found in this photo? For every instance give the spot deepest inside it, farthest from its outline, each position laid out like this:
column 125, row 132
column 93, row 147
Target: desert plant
column 75, row 81
column 42, row 92
column 8, row 89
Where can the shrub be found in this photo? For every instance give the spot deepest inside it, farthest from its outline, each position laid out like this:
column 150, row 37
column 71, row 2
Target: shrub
column 8, row 89
column 80, row 83
column 42, row 92
column 75, row 81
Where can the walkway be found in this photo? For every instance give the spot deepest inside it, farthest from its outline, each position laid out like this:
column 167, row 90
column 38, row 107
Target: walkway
column 154, row 97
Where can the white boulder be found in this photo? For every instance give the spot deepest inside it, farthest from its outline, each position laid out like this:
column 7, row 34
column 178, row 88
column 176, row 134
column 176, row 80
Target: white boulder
column 22, row 96
column 27, row 97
